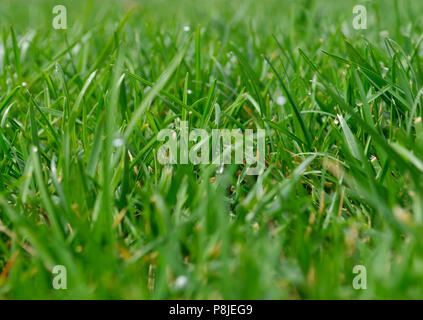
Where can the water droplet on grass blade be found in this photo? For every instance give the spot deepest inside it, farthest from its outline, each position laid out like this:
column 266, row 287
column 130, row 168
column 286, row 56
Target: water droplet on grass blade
column 281, row 100
column 118, row 142
column 181, row 282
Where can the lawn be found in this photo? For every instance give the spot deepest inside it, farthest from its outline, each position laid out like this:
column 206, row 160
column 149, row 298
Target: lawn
column 82, row 188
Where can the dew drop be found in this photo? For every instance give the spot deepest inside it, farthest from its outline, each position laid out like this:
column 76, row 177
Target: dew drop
column 118, row 142
column 281, row 100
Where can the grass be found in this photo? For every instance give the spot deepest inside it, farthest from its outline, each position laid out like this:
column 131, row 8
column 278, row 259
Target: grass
column 343, row 184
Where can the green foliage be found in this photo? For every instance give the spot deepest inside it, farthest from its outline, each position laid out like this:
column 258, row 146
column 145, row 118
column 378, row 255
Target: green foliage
column 80, row 184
